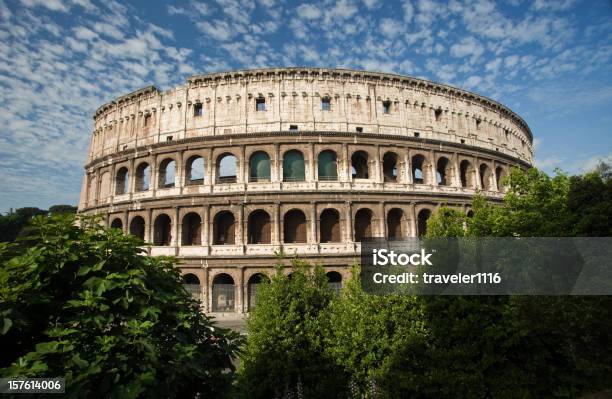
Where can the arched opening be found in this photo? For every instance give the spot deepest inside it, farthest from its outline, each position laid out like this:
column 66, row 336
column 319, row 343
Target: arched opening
column 327, row 166
column 359, row 165
column 162, row 230
column 227, row 168
column 191, row 283
column 334, row 279
column 252, row 287
column 394, row 224
column 116, row 224
column 259, row 228
column 422, row 217
column 485, row 177
column 194, row 170
column 467, row 174
column 470, row 213
column 142, row 177
column 137, row 227
column 390, row 170
column 329, row 226
column 500, row 175
column 224, row 228
column 443, row 172
column 192, row 229
column 166, row 173
column 363, row 224
column 121, row 182
column 418, row 171
column 293, row 166
column 294, row 227
column 223, row 293
column 259, row 167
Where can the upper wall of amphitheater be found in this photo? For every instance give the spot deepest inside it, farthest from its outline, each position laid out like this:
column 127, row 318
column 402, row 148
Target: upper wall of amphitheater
column 308, row 99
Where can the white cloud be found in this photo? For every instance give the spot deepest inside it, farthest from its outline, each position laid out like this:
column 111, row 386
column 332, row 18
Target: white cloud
column 54, row 5
column 308, row 11
column 467, row 47
column 390, row 27
column 408, row 10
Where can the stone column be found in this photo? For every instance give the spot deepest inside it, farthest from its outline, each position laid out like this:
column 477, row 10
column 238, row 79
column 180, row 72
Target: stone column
column 276, row 218
column 345, row 175
column 242, row 166
column 350, row 234
column 240, row 233
column 407, row 167
column 432, row 169
column 209, row 166
column 179, row 171
column 382, row 225
column 175, row 239
column 276, row 164
column 413, row 221
column 457, row 171
column 206, row 223
column 311, row 163
column 312, row 237
column 149, row 226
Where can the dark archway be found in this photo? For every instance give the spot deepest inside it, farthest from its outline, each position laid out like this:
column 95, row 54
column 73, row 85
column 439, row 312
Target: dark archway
column 137, row 227
column 329, row 226
column 359, row 165
column 293, row 166
column 418, row 169
column 443, row 172
column 191, row 283
column 259, row 228
column 259, row 167
column 363, row 224
column 223, row 293
column 116, row 224
column 390, row 169
column 485, row 177
column 224, row 228
column 121, row 181
column 422, row 217
column 394, row 224
column 162, row 230
column 294, row 230
column 142, row 177
column 500, row 176
column 192, row 229
column 467, row 174
column 327, row 166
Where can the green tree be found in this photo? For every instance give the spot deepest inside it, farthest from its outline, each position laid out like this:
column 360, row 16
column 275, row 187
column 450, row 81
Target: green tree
column 13, row 223
column 285, row 352
column 84, row 304
column 58, row 209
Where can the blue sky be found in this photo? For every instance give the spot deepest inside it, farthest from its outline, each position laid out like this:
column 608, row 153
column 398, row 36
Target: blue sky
column 60, row 59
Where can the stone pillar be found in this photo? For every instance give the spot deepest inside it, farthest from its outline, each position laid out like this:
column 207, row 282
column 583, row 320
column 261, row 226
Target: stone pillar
column 413, row 220
column 276, row 219
column 382, row 224
column 240, row 233
column 239, row 307
column 149, row 226
column 209, row 166
column 350, row 234
column 206, row 223
column 154, row 175
column 312, row 237
column 175, row 239
column 113, row 182
column 378, row 161
column 126, row 227
column 242, row 166
column 311, row 163
column 276, row 164
column 456, row 171
column 432, row 168
column 408, row 167
column 179, row 171
column 345, row 175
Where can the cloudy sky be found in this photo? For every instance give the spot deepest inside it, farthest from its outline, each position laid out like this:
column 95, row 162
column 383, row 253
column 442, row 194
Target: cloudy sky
column 60, row 59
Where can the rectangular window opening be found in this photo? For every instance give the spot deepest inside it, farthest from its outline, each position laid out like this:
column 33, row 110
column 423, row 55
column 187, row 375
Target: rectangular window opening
column 326, row 104
column 197, row 109
column 359, row 129
column 293, row 128
column 386, row 107
column 168, row 138
column 417, row 134
column 147, row 119
column 438, row 114
column 260, row 104
column 462, row 141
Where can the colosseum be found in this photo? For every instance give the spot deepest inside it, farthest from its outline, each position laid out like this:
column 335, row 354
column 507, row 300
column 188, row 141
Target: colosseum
column 231, row 168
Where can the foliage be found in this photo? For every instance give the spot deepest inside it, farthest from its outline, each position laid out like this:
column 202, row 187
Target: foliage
column 12, row 224
column 285, row 353
column 84, row 304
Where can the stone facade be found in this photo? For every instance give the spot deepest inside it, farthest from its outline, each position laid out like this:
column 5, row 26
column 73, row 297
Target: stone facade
column 231, row 167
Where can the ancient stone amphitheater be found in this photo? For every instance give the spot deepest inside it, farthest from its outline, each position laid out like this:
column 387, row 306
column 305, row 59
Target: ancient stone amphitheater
column 232, row 167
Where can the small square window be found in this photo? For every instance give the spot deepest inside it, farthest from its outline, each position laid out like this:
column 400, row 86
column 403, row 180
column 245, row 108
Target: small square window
column 147, row 119
column 386, row 107
column 417, row 134
column 359, row 129
column 438, row 114
column 168, row 138
column 326, row 104
column 293, row 128
column 260, row 104
column 462, row 141
column 477, row 124
column 197, row 109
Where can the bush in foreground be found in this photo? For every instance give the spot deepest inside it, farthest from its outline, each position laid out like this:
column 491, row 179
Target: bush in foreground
column 84, row 304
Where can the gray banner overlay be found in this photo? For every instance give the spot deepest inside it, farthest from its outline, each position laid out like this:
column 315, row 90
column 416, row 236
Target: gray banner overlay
column 488, row 266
